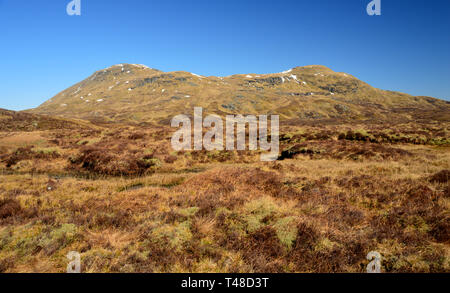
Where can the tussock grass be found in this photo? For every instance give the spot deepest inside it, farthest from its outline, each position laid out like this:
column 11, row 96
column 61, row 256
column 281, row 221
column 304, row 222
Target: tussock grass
column 314, row 211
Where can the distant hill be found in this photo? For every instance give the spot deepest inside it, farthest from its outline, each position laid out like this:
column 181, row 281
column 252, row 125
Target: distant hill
column 20, row 121
column 137, row 93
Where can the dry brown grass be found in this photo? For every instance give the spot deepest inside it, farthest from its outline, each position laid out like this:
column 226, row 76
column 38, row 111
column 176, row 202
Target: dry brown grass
column 321, row 209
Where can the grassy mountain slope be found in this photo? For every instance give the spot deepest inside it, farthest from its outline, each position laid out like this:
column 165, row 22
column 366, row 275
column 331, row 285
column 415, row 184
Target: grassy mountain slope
column 136, row 93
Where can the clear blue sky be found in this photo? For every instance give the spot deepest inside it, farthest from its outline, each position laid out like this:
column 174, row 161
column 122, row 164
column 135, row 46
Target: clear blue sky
column 43, row 50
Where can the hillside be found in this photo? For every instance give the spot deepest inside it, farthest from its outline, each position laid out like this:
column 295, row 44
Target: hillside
column 136, row 93
column 27, row 122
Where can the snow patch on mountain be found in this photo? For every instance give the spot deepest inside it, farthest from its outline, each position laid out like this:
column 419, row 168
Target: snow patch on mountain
column 286, row 72
column 199, row 76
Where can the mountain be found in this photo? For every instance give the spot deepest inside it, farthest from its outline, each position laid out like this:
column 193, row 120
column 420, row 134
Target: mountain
column 137, row 93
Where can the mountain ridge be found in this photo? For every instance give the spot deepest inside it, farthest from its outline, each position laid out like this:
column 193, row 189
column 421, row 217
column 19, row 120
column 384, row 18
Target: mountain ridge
column 137, row 93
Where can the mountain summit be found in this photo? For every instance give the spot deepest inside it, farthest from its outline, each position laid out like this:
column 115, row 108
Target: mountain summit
column 137, row 93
